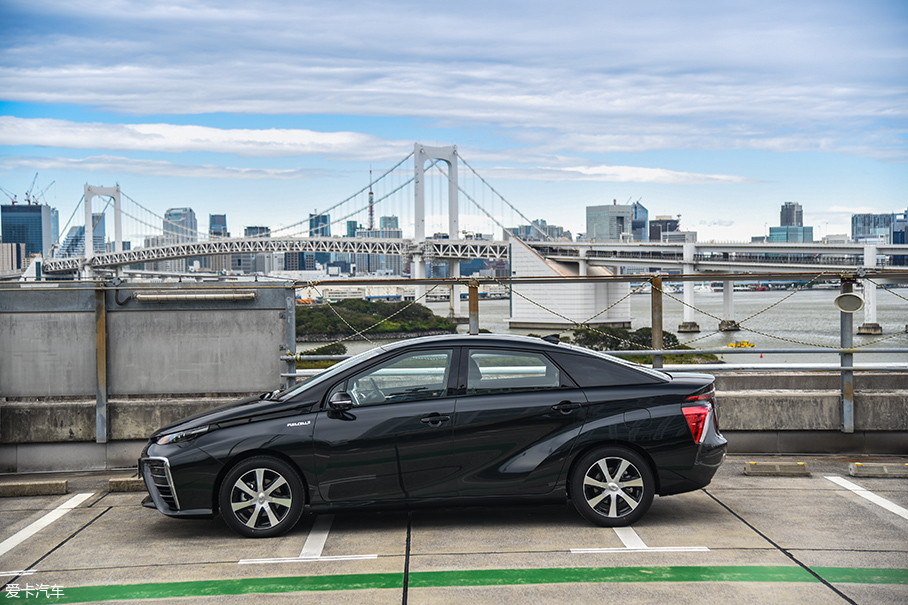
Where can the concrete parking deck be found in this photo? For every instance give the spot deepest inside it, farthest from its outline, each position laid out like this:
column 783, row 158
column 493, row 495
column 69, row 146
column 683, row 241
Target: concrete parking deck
column 753, row 539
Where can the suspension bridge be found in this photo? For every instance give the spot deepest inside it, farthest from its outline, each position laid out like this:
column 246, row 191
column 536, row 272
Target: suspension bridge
column 449, row 213
column 433, row 232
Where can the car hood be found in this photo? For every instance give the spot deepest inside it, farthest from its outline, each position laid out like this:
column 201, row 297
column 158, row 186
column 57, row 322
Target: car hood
column 236, row 412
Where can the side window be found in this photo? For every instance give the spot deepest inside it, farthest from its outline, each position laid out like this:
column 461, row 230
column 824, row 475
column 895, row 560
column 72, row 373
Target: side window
column 502, row 371
column 409, row 377
column 588, row 371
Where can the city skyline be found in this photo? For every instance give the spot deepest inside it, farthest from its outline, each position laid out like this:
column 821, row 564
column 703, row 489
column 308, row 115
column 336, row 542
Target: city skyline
column 719, row 112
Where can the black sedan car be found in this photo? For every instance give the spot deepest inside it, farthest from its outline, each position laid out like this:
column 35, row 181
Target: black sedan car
column 444, row 421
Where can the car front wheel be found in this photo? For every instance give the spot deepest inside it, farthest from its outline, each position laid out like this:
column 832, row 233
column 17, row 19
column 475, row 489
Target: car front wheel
column 612, row 486
column 261, row 497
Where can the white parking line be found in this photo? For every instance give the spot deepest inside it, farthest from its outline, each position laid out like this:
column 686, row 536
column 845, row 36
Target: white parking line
column 313, row 547
column 318, row 535
column 21, row 572
column 26, row 533
column 633, row 543
column 869, row 495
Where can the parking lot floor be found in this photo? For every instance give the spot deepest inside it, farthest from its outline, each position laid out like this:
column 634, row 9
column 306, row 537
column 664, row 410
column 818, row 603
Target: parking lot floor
column 744, row 538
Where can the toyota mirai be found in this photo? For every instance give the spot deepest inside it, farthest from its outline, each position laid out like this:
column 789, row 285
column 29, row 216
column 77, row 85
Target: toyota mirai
column 444, row 421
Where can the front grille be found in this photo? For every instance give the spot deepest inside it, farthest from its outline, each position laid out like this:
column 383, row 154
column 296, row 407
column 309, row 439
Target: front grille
column 157, row 477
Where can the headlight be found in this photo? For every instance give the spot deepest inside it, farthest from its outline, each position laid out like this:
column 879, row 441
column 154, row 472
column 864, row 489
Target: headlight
column 181, row 435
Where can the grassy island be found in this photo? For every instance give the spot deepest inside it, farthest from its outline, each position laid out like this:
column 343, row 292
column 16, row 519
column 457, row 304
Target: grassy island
column 324, row 323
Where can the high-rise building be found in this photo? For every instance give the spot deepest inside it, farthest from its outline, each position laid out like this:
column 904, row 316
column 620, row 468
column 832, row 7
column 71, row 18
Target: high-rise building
column 180, row 226
column 74, row 243
column 217, row 228
column 320, row 226
column 217, row 225
column 871, row 228
column 792, row 215
column 792, row 235
column 29, row 224
column 639, row 222
column 609, row 223
column 660, row 225
column 259, row 262
column 12, row 257
column 388, row 264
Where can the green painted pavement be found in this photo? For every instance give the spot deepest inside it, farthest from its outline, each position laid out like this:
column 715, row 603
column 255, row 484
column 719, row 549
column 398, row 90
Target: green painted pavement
column 475, row 577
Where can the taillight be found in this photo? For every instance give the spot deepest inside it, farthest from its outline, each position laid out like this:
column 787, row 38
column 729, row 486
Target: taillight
column 696, row 416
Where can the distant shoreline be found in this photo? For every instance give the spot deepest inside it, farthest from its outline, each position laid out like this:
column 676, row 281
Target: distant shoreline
column 368, row 336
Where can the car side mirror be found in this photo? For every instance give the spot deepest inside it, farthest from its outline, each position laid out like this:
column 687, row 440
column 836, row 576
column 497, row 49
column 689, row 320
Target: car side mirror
column 341, row 402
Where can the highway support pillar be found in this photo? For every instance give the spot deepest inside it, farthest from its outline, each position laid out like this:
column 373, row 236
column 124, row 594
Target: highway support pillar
column 455, row 306
column 728, row 324
column 656, row 294
column 847, row 341
column 101, row 407
column 688, row 324
column 418, row 271
column 870, row 327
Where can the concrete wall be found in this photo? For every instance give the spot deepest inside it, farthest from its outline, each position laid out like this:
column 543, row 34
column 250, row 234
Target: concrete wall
column 199, row 341
column 801, row 412
column 800, row 416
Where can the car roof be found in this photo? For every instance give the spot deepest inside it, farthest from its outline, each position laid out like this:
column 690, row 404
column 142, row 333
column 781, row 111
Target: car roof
column 474, row 340
column 492, row 340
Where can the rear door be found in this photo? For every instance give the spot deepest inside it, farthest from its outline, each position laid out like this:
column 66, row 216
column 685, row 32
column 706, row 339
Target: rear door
column 515, row 421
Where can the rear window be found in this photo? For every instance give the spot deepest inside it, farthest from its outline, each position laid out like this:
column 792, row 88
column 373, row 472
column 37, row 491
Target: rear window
column 588, row 371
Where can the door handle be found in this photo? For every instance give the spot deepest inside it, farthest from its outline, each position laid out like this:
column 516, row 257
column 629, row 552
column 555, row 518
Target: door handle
column 435, row 420
column 566, row 407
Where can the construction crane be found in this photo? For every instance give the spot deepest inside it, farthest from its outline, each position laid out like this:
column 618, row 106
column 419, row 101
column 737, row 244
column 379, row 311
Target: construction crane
column 41, row 193
column 11, row 196
column 28, row 194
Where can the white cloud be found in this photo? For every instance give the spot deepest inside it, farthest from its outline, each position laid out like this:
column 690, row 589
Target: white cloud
column 179, row 138
column 818, row 76
column 120, row 165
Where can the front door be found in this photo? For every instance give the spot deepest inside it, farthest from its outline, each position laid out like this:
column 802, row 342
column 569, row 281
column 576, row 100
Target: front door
column 396, row 441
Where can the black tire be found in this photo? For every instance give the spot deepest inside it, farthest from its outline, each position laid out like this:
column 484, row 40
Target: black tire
column 261, row 497
column 612, row 486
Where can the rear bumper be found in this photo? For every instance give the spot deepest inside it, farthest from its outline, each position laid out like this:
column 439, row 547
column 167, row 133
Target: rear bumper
column 709, row 457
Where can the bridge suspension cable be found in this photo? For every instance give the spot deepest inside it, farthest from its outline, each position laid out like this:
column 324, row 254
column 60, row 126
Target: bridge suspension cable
column 360, row 192
column 495, row 191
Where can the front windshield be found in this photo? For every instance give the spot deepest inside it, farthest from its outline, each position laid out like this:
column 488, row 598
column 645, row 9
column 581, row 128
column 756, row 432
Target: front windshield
column 329, row 373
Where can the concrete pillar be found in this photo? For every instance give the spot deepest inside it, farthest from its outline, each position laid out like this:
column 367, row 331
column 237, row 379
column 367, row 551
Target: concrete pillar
column 474, row 307
column 728, row 323
column 583, row 266
column 656, row 297
column 870, row 327
column 456, row 307
column 418, row 271
column 846, row 340
column 688, row 324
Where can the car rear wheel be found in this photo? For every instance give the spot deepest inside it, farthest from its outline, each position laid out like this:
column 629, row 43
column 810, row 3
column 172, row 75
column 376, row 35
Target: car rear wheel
column 612, row 486
column 261, row 497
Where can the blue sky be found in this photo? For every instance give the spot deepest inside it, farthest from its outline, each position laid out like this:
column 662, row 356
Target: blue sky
column 718, row 111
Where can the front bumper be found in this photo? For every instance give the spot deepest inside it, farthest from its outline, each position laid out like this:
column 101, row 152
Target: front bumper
column 162, row 493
